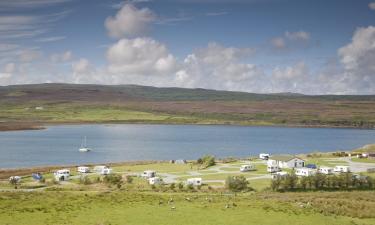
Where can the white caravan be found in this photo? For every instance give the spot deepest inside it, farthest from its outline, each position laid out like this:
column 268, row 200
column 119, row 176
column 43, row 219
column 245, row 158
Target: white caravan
column 148, row 174
column 279, row 174
column 155, row 180
column 264, row 156
column 305, row 172
column 341, row 169
column 83, row 169
column 325, row 170
column 194, row 181
column 245, row 168
column 62, row 175
column 103, row 170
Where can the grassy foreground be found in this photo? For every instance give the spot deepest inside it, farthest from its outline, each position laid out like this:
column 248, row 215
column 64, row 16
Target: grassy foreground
column 122, row 207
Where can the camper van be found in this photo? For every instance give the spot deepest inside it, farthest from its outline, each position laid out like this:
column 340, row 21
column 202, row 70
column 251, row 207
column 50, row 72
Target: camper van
column 148, row 174
column 62, row 175
column 245, row 168
column 83, row 169
column 155, row 180
column 103, row 170
column 194, row 181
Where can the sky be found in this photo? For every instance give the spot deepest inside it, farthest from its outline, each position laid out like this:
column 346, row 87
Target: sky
column 263, row 46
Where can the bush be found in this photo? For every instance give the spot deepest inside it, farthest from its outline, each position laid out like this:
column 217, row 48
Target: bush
column 206, row 161
column 236, row 183
column 180, row 186
column 190, row 187
column 84, row 180
column 112, row 179
column 129, row 179
column 172, row 186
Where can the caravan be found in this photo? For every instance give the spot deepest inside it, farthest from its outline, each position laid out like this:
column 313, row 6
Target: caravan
column 148, row 174
column 245, row 168
column 194, row 181
column 61, row 175
column 83, row 169
column 103, row 170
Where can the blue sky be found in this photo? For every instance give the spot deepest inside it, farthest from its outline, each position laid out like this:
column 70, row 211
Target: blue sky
column 314, row 47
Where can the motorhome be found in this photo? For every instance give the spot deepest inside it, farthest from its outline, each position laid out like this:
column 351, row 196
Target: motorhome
column 83, row 169
column 103, row 170
column 155, row 180
column 62, row 175
column 245, row 168
column 148, row 174
column 194, row 181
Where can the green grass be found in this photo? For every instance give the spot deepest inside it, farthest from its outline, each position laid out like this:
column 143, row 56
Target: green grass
column 85, row 208
column 364, row 160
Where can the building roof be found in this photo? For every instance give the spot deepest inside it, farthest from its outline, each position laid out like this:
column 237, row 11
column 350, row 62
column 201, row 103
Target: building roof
column 284, row 158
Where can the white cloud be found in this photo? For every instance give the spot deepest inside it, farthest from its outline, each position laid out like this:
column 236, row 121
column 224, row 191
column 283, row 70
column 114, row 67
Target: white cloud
column 62, row 57
column 371, row 5
column 299, row 35
column 140, row 56
column 51, row 39
column 29, row 55
column 129, row 21
column 278, row 43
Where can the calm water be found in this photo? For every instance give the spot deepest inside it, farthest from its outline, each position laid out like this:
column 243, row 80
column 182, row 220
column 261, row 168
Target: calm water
column 112, row 143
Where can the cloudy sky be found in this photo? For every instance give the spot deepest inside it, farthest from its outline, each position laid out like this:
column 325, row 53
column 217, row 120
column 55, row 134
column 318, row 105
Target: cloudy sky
column 265, row 46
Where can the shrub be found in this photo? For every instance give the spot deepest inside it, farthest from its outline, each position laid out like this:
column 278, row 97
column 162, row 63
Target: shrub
column 206, row 161
column 84, row 180
column 190, row 187
column 180, row 186
column 172, row 186
column 129, row 179
column 236, row 183
column 112, row 179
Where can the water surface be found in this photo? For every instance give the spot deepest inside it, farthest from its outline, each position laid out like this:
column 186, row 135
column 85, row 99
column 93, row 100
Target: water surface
column 58, row 145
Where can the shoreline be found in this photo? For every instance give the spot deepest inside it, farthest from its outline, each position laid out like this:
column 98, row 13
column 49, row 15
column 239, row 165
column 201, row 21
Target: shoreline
column 19, row 126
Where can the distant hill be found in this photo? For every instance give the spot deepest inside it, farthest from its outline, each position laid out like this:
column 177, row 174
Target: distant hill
column 81, row 103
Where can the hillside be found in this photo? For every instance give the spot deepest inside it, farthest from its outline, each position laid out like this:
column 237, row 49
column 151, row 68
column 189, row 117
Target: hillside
column 33, row 105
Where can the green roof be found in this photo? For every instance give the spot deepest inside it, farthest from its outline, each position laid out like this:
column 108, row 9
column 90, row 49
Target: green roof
column 283, row 158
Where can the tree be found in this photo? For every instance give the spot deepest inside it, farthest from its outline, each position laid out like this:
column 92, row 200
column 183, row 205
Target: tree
column 206, row 161
column 236, row 183
column 275, row 183
column 291, row 181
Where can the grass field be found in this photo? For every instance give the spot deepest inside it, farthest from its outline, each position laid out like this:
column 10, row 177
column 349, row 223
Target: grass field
column 153, row 209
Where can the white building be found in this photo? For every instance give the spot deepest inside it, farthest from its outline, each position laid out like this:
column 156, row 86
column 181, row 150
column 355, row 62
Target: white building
column 245, row 168
column 155, row 180
column 148, row 174
column 305, row 172
column 264, row 156
column 83, row 169
column 341, row 169
column 194, row 181
column 325, row 170
column 286, row 161
column 61, row 175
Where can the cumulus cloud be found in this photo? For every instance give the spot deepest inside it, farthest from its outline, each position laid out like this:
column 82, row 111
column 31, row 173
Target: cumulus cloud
column 371, row 5
column 219, row 64
column 290, row 39
column 299, row 35
column 129, row 21
column 140, row 56
column 7, row 72
column 278, row 43
column 62, row 57
column 29, row 55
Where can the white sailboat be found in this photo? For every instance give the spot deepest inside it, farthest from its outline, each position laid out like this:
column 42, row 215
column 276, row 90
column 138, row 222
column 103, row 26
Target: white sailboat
column 84, row 147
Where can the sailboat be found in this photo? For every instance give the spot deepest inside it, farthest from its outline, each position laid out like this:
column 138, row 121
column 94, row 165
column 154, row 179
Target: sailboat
column 84, row 147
